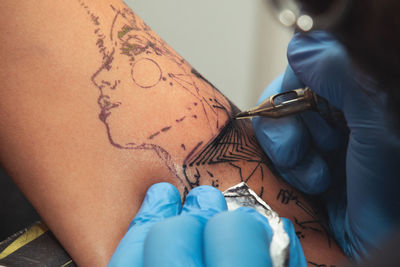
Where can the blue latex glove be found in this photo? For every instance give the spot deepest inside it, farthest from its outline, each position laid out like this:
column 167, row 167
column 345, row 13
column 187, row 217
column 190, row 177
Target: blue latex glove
column 242, row 238
column 164, row 234
column 362, row 201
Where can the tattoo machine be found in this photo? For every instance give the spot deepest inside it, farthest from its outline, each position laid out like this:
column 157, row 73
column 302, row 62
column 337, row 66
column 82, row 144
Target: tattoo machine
column 294, row 102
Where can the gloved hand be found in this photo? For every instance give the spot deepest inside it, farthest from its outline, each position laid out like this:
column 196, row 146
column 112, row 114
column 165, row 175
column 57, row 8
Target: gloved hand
column 164, row 234
column 362, row 201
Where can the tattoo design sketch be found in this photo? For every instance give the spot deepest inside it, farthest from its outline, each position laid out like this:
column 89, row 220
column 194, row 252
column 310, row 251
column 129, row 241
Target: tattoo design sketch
column 232, row 146
column 130, row 42
column 155, row 72
column 286, row 196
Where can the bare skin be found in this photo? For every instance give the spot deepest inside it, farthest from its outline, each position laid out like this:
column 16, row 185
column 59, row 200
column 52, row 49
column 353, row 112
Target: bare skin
column 96, row 108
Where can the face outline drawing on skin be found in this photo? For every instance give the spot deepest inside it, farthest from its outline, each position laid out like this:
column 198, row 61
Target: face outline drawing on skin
column 230, row 146
column 225, row 145
column 153, row 71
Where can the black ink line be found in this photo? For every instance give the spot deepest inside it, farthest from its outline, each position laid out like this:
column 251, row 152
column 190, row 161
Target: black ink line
column 181, row 119
column 113, row 22
column 166, row 128
column 194, row 149
column 248, row 178
column 154, row 135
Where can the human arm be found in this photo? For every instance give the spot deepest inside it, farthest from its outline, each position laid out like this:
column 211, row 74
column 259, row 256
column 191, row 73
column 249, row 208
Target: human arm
column 96, row 108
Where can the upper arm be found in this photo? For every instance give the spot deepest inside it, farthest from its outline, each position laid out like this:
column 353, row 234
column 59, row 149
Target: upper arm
column 96, row 108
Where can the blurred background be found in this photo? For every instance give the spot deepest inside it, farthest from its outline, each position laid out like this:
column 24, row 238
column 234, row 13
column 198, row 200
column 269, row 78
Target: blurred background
column 236, row 44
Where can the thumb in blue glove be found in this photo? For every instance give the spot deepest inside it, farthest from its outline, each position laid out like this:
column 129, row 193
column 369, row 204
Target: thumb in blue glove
column 243, row 238
column 163, row 234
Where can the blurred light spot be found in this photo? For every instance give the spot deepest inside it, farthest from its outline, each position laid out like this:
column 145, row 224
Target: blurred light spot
column 287, row 17
column 305, row 22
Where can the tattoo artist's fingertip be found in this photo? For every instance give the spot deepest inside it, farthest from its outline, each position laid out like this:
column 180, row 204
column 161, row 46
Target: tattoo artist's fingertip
column 162, row 185
column 317, row 182
column 311, row 175
column 285, row 141
column 162, row 193
column 162, row 200
column 246, row 210
column 206, row 197
column 162, row 190
column 321, row 181
column 205, row 189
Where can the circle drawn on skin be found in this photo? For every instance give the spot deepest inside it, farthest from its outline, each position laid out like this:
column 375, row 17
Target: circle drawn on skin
column 146, row 73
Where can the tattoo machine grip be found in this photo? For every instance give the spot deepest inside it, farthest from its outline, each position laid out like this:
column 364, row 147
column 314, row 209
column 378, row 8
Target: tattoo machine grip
column 294, row 102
